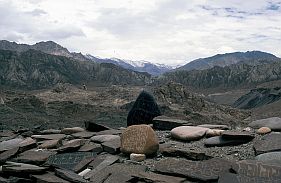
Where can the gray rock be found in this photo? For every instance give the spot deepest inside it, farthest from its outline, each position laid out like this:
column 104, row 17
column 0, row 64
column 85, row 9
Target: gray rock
column 72, row 145
column 112, row 147
column 166, row 123
column 68, row 160
column 4, row 156
column 273, row 123
column 105, row 138
column 207, row 170
column 50, row 131
column 246, row 136
column 48, row 178
column 84, row 134
column 271, row 158
column 220, row 141
column 83, row 164
column 153, row 177
column 12, row 167
column 268, row 143
column 211, row 126
column 10, row 144
column 184, row 153
column 70, row 176
column 49, row 144
column 34, row 157
column 49, row 137
column 90, row 146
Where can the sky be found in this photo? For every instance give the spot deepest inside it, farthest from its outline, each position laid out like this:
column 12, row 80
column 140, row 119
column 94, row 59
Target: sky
column 161, row 31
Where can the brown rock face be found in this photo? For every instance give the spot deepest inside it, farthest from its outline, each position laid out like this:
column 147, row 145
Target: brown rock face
column 140, row 139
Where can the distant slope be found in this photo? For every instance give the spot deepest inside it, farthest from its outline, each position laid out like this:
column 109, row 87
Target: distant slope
column 222, row 60
column 34, row 69
column 239, row 75
column 140, row 66
column 258, row 97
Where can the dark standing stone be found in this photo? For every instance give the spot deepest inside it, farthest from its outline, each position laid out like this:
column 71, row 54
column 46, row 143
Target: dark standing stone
column 144, row 110
column 68, row 160
column 207, row 170
column 220, row 141
column 268, row 143
column 94, row 127
column 166, row 123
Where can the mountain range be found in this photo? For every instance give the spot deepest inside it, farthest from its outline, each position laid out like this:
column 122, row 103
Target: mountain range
column 227, row 59
column 53, row 48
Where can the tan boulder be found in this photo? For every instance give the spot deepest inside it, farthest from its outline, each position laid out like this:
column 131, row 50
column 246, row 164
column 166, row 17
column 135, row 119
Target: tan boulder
column 139, row 139
column 188, row 133
column 263, row 130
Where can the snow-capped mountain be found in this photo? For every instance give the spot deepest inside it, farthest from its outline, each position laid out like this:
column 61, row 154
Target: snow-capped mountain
column 140, row 66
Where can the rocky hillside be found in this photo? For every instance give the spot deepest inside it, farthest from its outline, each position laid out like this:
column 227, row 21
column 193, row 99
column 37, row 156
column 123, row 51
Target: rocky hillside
column 258, row 97
column 34, row 69
column 238, row 75
column 222, row 60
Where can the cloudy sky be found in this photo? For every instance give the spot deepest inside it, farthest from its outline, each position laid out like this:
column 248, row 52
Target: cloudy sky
column 160, row 31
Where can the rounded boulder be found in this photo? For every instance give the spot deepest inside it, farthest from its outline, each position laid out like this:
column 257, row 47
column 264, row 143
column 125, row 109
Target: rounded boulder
column 139, row 139
column 188, row 133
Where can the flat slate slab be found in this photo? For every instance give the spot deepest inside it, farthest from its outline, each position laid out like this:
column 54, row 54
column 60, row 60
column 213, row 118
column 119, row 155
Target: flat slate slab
column 235, row 178
column 207, row 170
column 4, row 156
column 271, row 158
column 219, row 141
column 49, row 137
column 10, row 144
column 257, row 171
column 48, row 178
column 12, row 167
column 84, row 134
column 153, row 177
column 91, row 146
column 219, row 127
column 68, row 160
column 117, row 173
column 166, row 123
column 273, row 123
column 268, row 143
column 246, row 136
column 70, row 176
column 34, row 157
column 72, row 145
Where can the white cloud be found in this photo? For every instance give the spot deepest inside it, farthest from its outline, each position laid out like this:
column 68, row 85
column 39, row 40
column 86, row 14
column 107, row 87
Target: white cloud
column 165, row 31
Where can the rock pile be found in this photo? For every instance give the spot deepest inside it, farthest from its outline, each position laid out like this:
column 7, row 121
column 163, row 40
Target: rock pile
column 140, row 154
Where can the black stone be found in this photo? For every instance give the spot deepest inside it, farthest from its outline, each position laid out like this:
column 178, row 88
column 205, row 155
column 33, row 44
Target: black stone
column 144, row 110
column 94, row 127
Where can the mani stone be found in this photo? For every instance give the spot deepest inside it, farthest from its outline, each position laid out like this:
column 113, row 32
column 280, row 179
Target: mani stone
column 263, row 130
column 68, row 160
column 188, row 133
column 271, row 157
column 144, row 110
column 137, row 157
column 72, row 130
column 166, row 123
column 268, row 143
column 273, row 123
column 94, row 127
column 258, row 170
column 220, row 141
column 140, row 139
column 207, row 170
